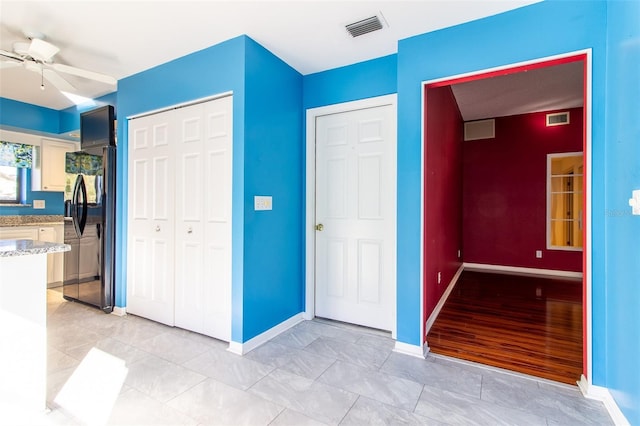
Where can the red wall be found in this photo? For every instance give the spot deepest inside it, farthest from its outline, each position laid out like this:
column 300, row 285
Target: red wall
column 504, row 192
column 443, row 193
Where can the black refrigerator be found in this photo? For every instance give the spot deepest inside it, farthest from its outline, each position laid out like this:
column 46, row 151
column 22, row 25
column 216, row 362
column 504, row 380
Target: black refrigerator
column 90, row 207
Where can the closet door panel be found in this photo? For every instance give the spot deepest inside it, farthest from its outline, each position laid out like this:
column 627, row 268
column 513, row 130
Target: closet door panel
column 218, row 173
column 150, row 235
column 189, row 218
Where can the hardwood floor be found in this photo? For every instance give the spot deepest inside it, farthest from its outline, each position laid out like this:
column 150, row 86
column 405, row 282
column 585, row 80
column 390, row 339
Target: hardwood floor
column 526, row 324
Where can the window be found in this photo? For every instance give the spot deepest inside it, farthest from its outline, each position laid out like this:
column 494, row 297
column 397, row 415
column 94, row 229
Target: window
column 10, row 179
column 564, row 201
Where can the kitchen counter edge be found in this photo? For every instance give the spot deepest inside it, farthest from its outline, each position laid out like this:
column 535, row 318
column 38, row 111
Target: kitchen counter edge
column 11, row 248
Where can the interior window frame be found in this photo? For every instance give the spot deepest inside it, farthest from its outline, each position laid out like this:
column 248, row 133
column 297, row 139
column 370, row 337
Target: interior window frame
column 548, row 227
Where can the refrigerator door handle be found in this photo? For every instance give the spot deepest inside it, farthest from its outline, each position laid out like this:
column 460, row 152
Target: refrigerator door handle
column 83, row 218
column 74, row 205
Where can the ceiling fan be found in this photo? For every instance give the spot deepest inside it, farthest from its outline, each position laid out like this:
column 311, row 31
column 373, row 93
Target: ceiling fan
column 37, row 55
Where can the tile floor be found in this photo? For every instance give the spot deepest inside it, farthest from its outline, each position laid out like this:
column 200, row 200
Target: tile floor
column 144, row 373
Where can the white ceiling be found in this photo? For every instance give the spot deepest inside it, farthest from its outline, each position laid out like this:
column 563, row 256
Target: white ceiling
column 121, row 38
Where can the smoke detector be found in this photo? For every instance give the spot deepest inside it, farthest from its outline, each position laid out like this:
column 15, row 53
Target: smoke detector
column 365, row 26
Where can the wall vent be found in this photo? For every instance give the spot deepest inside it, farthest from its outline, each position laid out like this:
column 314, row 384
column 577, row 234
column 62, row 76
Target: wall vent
column 558, row 118
column 481, row 129
column 364, row 26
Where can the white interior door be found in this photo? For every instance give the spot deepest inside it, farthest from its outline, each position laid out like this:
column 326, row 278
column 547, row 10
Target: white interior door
column 150, row 261
column 356, row 206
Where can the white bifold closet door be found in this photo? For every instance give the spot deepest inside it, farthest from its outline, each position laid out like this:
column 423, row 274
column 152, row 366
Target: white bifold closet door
column 199, row 297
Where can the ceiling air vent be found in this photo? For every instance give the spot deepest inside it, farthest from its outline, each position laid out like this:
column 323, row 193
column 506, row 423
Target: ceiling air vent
column 364, row 26
column 558, row 119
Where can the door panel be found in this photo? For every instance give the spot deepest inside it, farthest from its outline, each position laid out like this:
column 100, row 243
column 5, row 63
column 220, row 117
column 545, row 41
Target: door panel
column 150, row 270
column 356, row 204
column 217, row 176
column 189, row 225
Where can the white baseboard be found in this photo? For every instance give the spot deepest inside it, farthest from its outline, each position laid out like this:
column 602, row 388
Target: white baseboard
column 521, row 270
column 121, row 312
column 413, row 350
column 602, row 394
column 443, row 299
column 260, row 339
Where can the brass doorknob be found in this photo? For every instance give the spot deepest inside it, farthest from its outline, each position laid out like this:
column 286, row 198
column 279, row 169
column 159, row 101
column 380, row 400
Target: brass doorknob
column 319, row 227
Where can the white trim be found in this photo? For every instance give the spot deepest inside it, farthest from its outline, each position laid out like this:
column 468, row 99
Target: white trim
column 550, row 157
column 118, row 311
column 518, row 270
column 441, row 302
column 587, row 214
column 587, row 182
column 602, row 394
column 412, row 350
column 262, row 338
column 181, row 105
column 423, row 333
column 310, row 205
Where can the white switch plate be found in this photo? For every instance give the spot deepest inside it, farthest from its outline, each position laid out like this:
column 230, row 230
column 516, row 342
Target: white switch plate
column 262, row 202
column 634, row 202
column 539, row 254
column 38, row 204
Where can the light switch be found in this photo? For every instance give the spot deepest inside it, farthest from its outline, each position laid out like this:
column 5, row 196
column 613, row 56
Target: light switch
column 539, row 254
column 262, row 202
column 38, row 204
column 634, row 202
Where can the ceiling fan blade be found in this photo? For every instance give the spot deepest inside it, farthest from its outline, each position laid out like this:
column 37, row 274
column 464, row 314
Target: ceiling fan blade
column 11, row 55
column 42, row 50
column 60, row 83
column 9, row 64
column 91, row 75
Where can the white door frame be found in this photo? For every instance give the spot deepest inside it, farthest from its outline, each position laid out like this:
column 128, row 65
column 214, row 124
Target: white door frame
column 310, row 220
column 585, row 382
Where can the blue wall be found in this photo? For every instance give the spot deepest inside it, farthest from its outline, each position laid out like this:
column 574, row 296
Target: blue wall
column 267, row 160
column 376, row 77
column 273, row 165
column 26, row 116
column 622, row 164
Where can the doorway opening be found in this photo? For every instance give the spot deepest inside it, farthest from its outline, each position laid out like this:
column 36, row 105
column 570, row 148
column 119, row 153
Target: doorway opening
column 481, row 227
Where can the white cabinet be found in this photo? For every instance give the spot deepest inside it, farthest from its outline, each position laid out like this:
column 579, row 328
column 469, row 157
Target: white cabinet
column 53, row 233
column 179, row 247
column 48, row 173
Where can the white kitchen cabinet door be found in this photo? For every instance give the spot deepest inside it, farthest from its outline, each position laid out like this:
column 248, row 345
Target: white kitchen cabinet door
column 151, row 212
column 50, row 175
column 48, row 234
column 18, row 233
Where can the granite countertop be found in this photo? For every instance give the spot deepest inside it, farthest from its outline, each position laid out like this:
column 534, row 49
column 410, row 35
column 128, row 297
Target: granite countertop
column 32, row 220
column 10, row 248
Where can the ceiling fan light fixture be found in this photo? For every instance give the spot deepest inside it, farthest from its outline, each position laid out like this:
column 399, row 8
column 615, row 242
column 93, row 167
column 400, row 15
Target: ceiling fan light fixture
column 41, row 50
